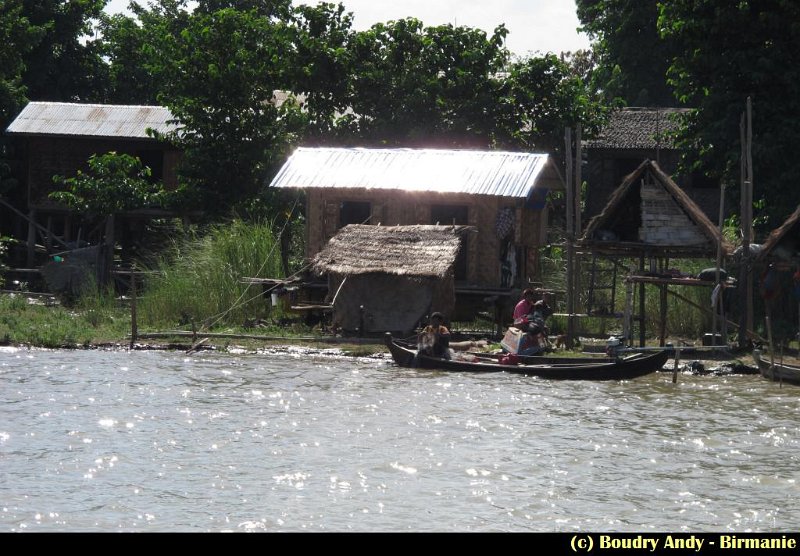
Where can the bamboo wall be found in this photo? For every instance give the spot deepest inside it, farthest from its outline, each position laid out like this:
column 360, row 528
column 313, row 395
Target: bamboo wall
column 49, row 156
column 387, row 303
column 392, row 208
column 607, row 169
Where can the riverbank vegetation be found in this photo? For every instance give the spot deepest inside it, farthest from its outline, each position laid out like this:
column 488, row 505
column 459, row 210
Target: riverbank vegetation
column 200, row 278
column 217, row 67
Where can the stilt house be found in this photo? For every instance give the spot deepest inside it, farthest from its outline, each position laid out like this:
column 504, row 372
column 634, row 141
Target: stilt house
column 500, row 195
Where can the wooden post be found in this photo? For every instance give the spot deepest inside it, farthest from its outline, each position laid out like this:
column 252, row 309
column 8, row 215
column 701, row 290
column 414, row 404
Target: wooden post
column 576, row 222
column 134, row 327
column 719, row 259
column 31, row 238
column 746, row 225
column 769, row 339
column 570, row 245
column 627, row 331
column 677, row 364
column 749, row 155
column 578, row 183
column 662, row 333
column 108, row 255
column 48, row 238
column 641, row 304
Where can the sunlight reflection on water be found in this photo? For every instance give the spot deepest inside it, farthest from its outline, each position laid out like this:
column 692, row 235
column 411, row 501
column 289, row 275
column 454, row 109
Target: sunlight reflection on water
column 153, row 441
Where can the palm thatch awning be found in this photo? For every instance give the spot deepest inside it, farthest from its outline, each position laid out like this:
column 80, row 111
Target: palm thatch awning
column 630, row 221
column 412, row 251
column 783, row 242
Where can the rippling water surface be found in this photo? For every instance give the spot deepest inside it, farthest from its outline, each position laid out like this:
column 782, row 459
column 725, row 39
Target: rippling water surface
column 154, row 441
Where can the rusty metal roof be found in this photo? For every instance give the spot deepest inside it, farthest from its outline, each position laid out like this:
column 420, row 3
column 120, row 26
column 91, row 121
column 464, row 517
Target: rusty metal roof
column 504, row 174
column 91, row 120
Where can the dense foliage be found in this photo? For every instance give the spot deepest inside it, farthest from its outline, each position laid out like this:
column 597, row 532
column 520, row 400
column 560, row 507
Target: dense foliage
column 248, row 80
column 632, row 56
column 113, row 183
column 728, row 51
column 710, row 55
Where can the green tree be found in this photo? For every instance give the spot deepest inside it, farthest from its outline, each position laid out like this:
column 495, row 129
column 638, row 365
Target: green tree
column 114, row 183
column 426, row 86
column 220, row 74
column 321, row 70
column 542, row 96
column 632, row 57
column 18, row 36
column 65, row 63
column 727, row 52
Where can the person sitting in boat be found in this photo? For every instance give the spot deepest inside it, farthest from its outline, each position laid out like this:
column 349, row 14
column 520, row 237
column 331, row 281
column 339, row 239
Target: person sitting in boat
column 536, row 331
column 435, row 338
column 525, row 305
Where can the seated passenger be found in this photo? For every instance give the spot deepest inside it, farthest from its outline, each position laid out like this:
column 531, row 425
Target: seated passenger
column 536, row 331
column 435, row 338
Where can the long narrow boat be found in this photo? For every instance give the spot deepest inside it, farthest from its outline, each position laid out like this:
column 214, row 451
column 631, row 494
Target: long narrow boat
column 622, row 369
column 545, row 359
column 780, row 372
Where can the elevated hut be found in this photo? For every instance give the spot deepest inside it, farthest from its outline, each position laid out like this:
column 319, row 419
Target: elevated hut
column 387, row 278
column 500, row 194
column 783, row 243
column 634, row 134
column 649, row 218
column 57, row 138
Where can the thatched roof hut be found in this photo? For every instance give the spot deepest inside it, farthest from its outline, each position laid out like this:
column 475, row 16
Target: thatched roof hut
column 386, row 278
column 631, row 135
column 500, row 194
column 649, row 214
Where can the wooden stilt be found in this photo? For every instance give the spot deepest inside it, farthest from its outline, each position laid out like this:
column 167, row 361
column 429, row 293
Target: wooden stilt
column 134, row 327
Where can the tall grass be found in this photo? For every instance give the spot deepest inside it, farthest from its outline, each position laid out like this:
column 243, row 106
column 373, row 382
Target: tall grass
column 200, row 278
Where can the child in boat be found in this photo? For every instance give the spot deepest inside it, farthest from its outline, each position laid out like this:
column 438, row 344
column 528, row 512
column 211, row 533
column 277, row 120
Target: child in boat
column 435, row 338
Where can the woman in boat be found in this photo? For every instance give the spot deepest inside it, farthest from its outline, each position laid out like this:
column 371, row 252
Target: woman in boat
column 435, row 338
column 525, row 305
column 533, row 325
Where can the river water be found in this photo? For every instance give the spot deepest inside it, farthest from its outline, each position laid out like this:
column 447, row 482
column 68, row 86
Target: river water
column 163, row 441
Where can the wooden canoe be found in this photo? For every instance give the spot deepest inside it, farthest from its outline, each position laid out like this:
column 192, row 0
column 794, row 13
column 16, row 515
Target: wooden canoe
column 780, row 372
column 622, row 369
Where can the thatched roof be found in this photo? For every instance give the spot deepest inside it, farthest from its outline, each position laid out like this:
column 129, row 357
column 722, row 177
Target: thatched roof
column 423, row 251
column 783, row 241
column 621, row 205
column 639, row 128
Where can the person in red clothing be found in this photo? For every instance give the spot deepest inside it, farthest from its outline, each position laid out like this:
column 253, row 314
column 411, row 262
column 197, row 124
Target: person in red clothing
column 525, row 305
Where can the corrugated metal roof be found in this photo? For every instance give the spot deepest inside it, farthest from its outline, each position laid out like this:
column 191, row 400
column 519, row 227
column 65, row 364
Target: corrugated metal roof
column 93, row 120
column 505, row 174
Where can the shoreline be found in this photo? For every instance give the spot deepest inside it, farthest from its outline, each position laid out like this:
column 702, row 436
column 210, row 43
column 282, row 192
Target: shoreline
column 366, row 348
